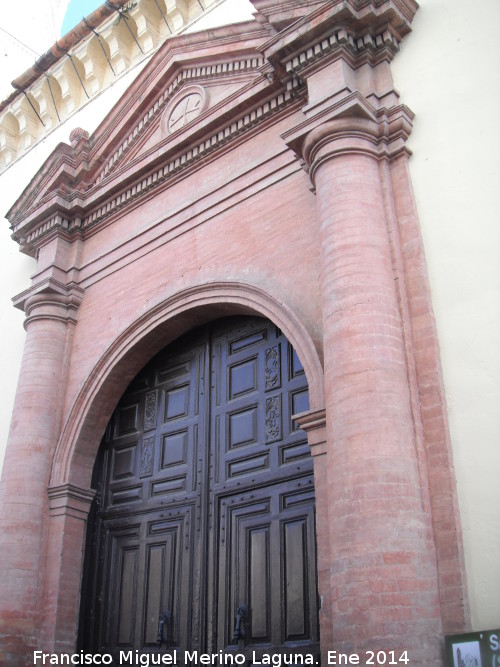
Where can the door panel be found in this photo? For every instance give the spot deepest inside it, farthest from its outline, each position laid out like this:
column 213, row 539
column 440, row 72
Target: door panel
column 268, row 563
column 205, row 501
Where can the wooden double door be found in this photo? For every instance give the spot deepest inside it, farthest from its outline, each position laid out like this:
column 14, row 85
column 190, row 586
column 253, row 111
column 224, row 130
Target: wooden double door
column 203, row 530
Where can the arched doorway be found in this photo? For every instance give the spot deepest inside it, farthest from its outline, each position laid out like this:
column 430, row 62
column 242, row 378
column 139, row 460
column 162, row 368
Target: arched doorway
column 204, row 517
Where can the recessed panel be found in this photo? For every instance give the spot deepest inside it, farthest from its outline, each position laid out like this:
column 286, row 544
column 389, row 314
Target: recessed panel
column 155, row 569
column 176, row 402
column 300, row 403
column 295, row 452
column 296, row 498
column 242, row 342
column 247, row 466
column 259, row 585
column 174, row 449
column 124, row 462
column 295, row 579
column 127, row 419
column 243, row 427
column 243, row 378
column 126, row 495
column 169, row 486
column 173, row 372
column 127, row 597
column 296, row 367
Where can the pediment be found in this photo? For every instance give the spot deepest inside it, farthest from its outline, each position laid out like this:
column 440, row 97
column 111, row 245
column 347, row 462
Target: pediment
column 183, row 109
column 190, row 83
column 198, row 92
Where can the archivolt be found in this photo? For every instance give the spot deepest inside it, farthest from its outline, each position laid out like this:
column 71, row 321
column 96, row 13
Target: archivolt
column 75, row 454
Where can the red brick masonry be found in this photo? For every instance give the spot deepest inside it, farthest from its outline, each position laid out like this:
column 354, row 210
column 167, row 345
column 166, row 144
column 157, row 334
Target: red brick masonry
column 287, row 195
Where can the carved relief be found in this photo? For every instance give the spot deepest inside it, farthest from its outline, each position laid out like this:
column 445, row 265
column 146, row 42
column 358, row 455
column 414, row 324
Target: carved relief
column 273, row 368
column 147, row 457
column 273, row 418
column 150, row 411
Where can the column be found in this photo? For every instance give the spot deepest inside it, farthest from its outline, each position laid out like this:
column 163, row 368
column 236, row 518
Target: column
column 23, row 491
column 383, row 570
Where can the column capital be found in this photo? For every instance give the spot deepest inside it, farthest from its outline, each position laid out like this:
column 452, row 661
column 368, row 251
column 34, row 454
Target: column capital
column 351, row 126
column 71, row 500
column 50, row 300
column 314, row 424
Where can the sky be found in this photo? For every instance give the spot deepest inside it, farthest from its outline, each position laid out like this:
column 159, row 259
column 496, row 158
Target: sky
column 76, row 10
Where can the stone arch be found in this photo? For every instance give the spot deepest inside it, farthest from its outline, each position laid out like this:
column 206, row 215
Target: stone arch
column 77, row 448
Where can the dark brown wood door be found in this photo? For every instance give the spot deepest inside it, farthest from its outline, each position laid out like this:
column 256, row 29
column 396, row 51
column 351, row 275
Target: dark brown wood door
column 205, row 505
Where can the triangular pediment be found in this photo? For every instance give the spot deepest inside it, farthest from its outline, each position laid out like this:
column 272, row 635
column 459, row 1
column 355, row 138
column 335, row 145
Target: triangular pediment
column 197, row 93
column 192, row 81
column 182, row 109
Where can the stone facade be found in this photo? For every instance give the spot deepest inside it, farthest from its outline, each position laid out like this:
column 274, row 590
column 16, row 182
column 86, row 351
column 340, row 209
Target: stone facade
column 256, row 169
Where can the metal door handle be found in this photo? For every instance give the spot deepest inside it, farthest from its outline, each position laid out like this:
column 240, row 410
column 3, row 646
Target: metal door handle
column 164, row 621
column 241, row 613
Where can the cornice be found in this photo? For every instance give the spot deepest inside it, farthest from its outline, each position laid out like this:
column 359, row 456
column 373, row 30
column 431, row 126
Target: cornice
column 359, row 18
column 70, row 500
column 211, row 71
column 94, row 179
column 71, row 225
column 373, row 47
column 68, row 168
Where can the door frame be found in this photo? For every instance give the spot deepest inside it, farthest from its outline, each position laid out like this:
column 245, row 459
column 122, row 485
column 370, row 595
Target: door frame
column 70, row 493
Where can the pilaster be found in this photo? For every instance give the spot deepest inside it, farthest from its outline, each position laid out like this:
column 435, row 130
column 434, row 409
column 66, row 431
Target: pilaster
column 69, row 508
column 314, row 424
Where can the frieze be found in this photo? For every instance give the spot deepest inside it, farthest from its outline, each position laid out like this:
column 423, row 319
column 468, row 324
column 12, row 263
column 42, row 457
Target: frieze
column 147, row 183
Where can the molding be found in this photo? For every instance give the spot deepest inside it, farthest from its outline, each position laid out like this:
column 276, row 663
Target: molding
column 385, row 44
column 212, row 71
column 352, row 125
column 189, row 307
column 304, row 23
column 313, row 422
column 69, row 226
column 70, row 500
column 95, row 178
column 186, row 159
